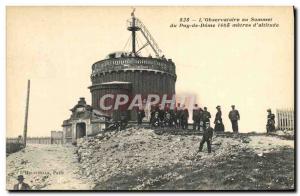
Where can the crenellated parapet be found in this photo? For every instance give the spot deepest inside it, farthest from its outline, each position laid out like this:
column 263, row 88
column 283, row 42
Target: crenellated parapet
column 133, row 63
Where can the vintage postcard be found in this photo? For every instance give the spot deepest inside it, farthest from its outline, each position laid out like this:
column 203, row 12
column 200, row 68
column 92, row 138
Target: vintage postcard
column 150, row 98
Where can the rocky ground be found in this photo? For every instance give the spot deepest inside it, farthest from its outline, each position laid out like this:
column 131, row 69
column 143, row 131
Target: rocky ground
column 140, row 159
column 144, row 159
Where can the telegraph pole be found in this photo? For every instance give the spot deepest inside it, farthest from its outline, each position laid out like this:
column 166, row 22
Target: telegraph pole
column 26, row 114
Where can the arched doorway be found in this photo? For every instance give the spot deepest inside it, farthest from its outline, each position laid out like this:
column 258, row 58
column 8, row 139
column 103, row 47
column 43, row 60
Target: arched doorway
column 80, row 130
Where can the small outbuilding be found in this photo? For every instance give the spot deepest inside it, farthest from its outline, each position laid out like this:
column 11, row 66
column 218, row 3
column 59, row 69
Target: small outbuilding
column 84, row 121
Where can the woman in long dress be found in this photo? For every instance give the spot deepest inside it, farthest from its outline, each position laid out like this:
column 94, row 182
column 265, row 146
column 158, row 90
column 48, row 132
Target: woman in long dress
column 219, row 126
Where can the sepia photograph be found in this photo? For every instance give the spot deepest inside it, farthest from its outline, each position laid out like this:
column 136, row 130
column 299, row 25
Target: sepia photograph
column 150, row 98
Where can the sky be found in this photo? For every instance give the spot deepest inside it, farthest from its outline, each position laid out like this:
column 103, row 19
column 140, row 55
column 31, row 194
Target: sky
column 55, row 47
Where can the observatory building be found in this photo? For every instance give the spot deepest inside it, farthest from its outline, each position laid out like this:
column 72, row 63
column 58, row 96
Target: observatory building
column 127, row 72
column 131, row 73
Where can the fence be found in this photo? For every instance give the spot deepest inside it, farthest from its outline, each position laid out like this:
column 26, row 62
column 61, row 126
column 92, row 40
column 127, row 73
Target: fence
column 37, row 140
column 285, row 119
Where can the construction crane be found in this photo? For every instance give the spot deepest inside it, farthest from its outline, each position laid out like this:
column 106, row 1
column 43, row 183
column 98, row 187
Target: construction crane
column 134, row 25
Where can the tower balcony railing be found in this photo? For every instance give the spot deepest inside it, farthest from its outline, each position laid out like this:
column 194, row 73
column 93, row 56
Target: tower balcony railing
column 132, row 63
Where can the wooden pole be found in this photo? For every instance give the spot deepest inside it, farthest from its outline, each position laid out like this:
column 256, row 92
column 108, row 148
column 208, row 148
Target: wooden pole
column 26, row 113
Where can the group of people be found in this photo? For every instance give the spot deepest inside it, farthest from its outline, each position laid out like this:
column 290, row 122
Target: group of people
column 234, row 116
column 178, row 117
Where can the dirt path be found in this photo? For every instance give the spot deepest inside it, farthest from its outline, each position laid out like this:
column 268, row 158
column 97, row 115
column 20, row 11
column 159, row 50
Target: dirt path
column 46, row 167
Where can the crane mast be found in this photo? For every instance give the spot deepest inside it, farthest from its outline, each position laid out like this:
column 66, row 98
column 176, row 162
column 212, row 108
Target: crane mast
column 134, row 25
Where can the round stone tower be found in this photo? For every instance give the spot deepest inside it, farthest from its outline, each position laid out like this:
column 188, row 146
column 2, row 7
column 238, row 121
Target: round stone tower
column 131, row 74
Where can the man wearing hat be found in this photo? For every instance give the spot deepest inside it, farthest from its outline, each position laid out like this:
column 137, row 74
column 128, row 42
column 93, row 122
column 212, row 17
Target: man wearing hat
column 177, row 114
column 21, row 185
column 184, row 118
column 234, row 116
column 219, row 126
column 196, row 117
column 206, row 116
column 207, row 137
column 141, row 114
column 270, row 122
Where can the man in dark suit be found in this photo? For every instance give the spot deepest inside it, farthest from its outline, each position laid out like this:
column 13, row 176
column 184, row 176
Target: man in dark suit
column 270, row 122
column 178, row 113
column 234, row 116
column 207, row 137
column 206, row 116
column 21, row 185
column 184, row 118
column 141, row 115
column 196, row 117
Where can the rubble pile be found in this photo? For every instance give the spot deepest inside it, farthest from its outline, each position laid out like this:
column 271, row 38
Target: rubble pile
column 287, row 134
column 136, row 149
